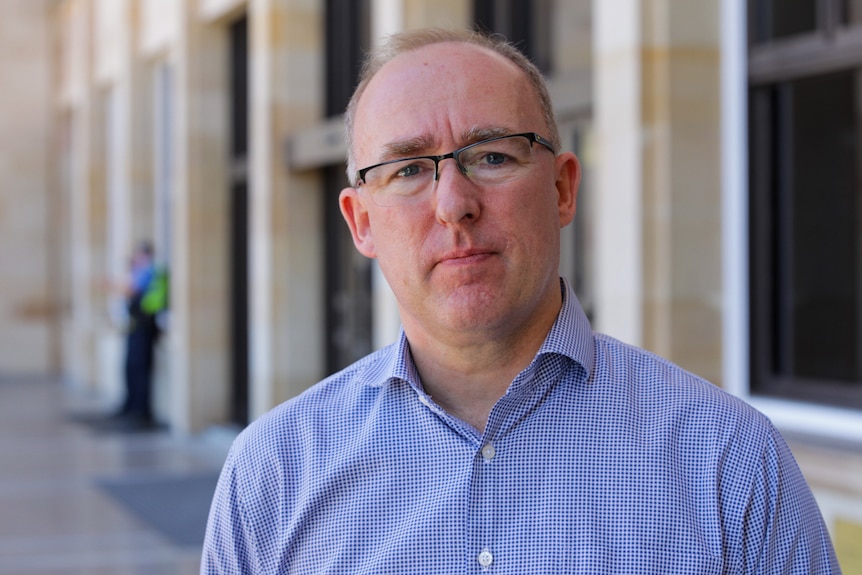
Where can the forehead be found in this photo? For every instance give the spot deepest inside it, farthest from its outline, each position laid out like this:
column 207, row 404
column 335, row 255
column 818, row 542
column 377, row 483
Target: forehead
column 441, row 91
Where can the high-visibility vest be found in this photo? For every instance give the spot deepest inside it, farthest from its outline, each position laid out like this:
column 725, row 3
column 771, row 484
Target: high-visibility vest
column 155, row 299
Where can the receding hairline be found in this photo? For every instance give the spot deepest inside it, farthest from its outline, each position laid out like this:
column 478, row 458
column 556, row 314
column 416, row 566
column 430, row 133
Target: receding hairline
column 406, row 42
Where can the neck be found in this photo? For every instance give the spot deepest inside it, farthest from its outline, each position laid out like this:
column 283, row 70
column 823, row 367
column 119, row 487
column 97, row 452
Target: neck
column 467, row 374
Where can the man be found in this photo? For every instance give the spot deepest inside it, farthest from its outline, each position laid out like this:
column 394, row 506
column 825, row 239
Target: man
column 499, row 434
column 141, row 336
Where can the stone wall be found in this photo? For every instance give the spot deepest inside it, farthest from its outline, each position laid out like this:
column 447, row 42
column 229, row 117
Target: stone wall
column 28, row 310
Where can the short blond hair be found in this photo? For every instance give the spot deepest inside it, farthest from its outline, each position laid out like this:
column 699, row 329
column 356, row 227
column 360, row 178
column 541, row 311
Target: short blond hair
column 405, row 42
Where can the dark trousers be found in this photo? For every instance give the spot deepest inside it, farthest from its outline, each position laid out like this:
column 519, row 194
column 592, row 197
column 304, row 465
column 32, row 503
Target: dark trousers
column 140, row 346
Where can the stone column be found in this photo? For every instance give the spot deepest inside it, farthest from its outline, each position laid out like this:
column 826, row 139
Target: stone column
column 27, row 317
column 199, row 274
column 658, row 182
column 286, row 247
column 86, row 203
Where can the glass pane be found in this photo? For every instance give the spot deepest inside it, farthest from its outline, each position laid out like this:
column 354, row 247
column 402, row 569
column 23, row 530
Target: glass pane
column 775, row 19
column 349, row 313
column 525, row 23
column 817, row 249
column 347, row 27
column 849, row 11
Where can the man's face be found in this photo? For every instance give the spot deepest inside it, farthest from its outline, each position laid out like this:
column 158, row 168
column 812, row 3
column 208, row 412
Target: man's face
column 469, row 259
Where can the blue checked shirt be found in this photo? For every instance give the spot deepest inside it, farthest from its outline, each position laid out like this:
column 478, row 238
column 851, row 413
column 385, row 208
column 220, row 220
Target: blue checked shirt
column 600, row 459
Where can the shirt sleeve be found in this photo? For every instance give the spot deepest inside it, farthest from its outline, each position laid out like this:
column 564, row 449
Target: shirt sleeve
column 782, row 528
column 229, row 543
column 141, row 278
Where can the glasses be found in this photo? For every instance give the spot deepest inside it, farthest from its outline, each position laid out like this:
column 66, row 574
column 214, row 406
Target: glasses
column 490, row 162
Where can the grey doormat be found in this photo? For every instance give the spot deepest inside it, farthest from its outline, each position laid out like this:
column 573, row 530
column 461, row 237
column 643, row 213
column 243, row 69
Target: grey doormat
column 176, row 506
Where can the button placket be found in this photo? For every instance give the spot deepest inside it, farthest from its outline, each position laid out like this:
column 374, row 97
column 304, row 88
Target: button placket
column 485, row 476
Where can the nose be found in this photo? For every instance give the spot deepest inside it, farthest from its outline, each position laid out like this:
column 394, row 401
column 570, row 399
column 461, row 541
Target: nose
column 456, row 197
column 450, row 156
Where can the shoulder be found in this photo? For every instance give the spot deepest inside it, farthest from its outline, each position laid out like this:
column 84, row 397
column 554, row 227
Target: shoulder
column 664, row 394
column 284, row 449
column 298, row 443
column 691, row 423
column 325, row 412
column 630, row 366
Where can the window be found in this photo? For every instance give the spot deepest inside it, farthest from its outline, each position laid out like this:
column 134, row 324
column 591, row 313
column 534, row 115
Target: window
column 239, row 219
column 525, row 23
column 348, row 273
column 805, row 114
column 775, row 19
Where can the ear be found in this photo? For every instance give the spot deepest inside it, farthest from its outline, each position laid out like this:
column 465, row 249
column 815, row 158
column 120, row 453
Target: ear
column 568, row 171
column 357, row 218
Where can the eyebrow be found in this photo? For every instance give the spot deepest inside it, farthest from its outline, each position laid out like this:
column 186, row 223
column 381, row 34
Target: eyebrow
column 421, row 145
column 474, row 135
column 406, row 148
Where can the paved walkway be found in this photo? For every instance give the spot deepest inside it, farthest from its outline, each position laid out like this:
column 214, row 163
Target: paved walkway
column 75, row 500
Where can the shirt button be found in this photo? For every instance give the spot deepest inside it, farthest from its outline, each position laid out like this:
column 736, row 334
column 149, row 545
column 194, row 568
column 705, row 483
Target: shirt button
column 424, row 401
column 485, row 558
column 488, row 452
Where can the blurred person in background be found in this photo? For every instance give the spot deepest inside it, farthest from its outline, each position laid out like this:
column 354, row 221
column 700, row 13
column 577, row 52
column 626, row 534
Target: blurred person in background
column 142, row 293
column 499, row 433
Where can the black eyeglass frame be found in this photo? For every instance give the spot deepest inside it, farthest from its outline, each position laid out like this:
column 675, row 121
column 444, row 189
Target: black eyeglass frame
column 531, row 136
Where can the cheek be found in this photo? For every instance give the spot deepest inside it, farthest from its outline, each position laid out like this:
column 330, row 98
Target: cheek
column 535, row 223
column 396, row 238
column 533, row 209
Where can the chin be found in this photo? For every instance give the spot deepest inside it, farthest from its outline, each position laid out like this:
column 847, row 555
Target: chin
column 476, row 310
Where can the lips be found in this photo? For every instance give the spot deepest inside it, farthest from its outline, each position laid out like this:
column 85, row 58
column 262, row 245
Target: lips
column 464, row 257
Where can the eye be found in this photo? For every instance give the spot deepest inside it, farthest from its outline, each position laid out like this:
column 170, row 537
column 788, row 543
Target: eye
column 481, row 158
column 408, row 170
column 494, row 158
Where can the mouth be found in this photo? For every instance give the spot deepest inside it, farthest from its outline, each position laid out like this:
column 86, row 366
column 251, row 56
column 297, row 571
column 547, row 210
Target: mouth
column 465, row 257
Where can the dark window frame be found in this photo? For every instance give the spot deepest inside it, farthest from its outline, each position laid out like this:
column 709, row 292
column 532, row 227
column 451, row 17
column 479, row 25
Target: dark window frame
column 348, row 297
column 524, row 23
column 238, row 32
column 834, row 47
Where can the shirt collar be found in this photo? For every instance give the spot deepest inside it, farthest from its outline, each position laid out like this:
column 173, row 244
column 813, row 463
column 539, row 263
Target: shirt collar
column 570, row 336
